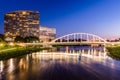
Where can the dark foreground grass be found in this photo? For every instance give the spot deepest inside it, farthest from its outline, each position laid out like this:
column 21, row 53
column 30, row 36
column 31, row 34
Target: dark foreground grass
column 18, row 51
column 114, row 52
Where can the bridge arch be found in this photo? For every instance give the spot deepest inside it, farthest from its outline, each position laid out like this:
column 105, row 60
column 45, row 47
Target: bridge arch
column 79, row 37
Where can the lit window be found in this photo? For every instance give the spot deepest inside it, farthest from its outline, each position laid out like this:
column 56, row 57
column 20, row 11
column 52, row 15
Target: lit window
column 24, row 12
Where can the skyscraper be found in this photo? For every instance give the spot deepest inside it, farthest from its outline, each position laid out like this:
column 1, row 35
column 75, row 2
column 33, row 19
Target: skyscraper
column 21, row 23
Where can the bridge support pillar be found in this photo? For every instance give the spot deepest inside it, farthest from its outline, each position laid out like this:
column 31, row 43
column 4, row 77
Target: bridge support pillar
column 67, row 49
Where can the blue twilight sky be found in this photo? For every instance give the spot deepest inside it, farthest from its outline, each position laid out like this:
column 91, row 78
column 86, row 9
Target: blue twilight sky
column 100, row 17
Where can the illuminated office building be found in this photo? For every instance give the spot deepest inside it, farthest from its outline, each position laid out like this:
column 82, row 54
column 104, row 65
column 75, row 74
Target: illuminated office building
column 47, row 34
column 21, row 23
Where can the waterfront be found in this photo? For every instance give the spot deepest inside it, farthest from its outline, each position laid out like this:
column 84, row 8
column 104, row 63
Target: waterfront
column 60, row 40
column 59, row 66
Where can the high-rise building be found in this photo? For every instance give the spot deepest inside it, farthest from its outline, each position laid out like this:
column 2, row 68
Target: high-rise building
column 21, row 23
column 47, row 34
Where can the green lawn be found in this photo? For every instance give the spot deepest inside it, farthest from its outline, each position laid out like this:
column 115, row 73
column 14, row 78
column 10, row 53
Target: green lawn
column 114, row 52
column 17, row 51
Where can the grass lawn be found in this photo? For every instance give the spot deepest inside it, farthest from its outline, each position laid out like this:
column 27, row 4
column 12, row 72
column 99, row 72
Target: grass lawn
column 114, row 52
column 17, row 51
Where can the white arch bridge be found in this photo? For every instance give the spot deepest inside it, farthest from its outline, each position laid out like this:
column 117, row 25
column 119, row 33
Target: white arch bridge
column 75, row 39
column 79, row 39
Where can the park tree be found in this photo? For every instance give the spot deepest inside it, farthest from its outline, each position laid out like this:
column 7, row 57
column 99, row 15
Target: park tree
column 19, row 39
column 1, row 37
column 31, row 39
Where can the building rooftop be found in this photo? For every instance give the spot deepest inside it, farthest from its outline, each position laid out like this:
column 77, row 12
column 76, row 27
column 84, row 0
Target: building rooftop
column 19, row 11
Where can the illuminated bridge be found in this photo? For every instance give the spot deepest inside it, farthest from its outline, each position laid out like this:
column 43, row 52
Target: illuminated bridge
column 75, row 39
column 78, row 39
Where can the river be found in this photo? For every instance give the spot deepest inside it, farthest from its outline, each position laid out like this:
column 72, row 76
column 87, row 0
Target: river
column 60, row 66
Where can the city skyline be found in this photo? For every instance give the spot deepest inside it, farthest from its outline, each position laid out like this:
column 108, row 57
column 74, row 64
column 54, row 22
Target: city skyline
column 100, row 17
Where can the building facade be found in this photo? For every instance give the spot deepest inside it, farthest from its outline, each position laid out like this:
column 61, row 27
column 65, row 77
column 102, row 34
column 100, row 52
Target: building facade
column 46, row 34
column 21, row 23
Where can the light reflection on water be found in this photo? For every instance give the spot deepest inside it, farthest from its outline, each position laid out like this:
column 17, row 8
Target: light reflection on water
column 1, row 66
column 29, row 66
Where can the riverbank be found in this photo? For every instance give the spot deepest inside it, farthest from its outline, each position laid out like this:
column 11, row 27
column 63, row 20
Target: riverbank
column 18, row 51
column 114, row 52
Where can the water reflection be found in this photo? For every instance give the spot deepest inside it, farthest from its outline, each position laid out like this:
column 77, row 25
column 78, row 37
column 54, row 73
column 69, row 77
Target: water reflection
column 1, row 66
column 11, row 66
column 94, row 64
column 1, row 69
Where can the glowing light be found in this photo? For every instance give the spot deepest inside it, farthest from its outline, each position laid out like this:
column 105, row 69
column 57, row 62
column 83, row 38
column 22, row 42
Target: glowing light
column 11, row 66
column 11, row 44
column 1, row 66
column 1, row 44
column 24, row 12
column 112, row 44
column 21, row 44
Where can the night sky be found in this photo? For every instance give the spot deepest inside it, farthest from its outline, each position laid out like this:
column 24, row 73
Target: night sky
column 100, row 17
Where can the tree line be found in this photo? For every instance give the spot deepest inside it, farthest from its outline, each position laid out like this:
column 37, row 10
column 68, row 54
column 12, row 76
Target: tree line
column 21, row 39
